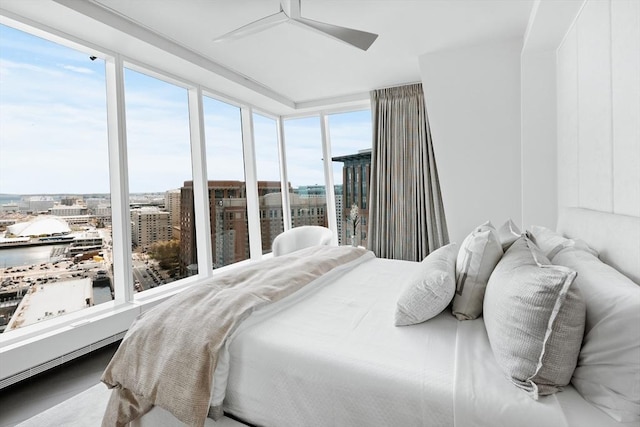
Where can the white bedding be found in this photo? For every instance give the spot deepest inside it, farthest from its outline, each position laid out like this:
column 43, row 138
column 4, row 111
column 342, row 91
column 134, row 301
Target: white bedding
column 331, row 355
column 335, row 358
column 484, row 397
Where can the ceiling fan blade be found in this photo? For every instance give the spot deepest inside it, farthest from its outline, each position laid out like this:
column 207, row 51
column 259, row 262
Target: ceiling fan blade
column 360, row 39
column 254, row 27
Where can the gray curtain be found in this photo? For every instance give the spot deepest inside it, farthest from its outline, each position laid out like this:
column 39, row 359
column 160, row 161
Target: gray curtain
column 406, row 215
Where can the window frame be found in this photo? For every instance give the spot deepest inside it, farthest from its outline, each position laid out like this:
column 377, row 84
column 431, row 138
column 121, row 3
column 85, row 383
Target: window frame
column 56, row 339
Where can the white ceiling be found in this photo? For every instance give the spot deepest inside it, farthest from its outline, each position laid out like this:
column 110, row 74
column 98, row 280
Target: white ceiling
column 286, row 68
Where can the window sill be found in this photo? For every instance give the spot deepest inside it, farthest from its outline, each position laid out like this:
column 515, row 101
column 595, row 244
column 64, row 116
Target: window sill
column 33, row 345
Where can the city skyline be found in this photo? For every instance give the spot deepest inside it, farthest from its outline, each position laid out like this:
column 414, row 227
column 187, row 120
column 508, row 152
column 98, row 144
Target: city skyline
column 53, row 125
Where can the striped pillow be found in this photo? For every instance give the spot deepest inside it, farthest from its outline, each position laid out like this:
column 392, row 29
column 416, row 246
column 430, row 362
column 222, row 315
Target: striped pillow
column 535, row 318
column 478, row 255
column 551, row 242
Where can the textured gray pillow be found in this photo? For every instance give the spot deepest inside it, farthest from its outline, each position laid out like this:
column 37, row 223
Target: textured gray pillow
column 551, row 242
column 534, row 319
column 431, row 289
column 478, row 255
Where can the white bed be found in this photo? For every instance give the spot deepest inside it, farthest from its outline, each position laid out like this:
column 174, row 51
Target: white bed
column 331, row 355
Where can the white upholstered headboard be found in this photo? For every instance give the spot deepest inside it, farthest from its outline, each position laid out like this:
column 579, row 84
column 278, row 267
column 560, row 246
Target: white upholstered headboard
column 615, row 237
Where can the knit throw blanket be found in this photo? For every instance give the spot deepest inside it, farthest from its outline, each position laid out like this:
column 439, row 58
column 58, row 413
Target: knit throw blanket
column 169, row 355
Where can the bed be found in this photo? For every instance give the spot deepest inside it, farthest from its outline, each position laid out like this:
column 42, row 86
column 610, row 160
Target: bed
column 330, row 354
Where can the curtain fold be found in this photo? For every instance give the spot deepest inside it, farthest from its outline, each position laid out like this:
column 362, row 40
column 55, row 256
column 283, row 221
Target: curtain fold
column 406, row 214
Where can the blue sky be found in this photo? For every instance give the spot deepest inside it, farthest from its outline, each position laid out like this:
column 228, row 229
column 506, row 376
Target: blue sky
column 53, row 128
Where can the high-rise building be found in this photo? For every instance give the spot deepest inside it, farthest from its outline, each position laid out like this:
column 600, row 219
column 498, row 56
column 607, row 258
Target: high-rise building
column 228, row 219
column 355, row 190
column 339, row 213
column 172, row 205
column 150, row 225
column 308, row 209
column 228, row 216
column 271, row 217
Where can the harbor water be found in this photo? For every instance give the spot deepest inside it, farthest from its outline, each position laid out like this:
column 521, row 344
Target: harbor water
column 35, row 255
column 15, row 257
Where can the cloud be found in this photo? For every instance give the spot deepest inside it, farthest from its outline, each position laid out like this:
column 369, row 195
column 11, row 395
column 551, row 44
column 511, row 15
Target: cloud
column 81, row 70
column 53, row 129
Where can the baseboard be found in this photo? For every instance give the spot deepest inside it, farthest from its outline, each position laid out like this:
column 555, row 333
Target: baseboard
column 42, row 367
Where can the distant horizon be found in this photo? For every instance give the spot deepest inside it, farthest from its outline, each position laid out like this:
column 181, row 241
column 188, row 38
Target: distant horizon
column 5, row 195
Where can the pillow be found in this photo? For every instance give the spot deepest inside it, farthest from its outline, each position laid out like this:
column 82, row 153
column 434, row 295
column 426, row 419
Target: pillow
column 608, row 371
column 508, row 233
column 535, row 318
column 551, row 242
column 478, row 255
column 430, row 291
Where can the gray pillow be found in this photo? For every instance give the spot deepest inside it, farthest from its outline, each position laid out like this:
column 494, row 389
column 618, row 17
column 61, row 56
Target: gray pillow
column 551, row 242
column 478, row 255
column 534, row 319
column 430, row 290
column 508, row 234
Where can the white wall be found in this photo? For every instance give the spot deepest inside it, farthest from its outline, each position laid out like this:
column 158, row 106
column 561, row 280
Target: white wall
column 547, row 26
column 538, row 133
column 598, row 83
column 473, row 102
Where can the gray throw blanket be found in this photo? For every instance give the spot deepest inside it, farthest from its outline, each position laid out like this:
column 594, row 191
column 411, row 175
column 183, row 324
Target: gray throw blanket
column 169, row 355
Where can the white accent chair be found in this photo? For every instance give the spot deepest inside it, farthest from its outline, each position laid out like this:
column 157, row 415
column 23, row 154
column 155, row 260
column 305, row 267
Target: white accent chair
column 300, row 238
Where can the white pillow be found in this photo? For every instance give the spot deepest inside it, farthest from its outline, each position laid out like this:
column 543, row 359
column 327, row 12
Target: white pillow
column 478, row 255
column 430, row 291
column 608, row 371
column 551, row 242
column 534, row 316
column 508, row 233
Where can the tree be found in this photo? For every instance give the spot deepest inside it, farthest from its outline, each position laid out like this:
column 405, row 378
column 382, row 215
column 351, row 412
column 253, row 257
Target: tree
column 167, row 254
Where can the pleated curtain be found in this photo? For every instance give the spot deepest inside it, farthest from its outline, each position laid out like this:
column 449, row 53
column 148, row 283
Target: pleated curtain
column 406, row 214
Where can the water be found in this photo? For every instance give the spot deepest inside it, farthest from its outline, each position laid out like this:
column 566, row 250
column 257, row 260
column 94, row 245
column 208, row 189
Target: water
column 9, row 198
column 13, row 257
column 40, row 254
column 101, row 294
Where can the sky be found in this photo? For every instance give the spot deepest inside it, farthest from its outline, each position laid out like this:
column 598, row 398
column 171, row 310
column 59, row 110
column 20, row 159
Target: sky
column 53, row 128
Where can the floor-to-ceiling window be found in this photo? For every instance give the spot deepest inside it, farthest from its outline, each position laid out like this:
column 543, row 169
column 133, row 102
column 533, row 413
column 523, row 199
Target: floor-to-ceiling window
column 305, row 172
column 227, row 186
column 269, row 184
column 351, row 155
column 55, row 199
column 54, row 116
column 160, row 173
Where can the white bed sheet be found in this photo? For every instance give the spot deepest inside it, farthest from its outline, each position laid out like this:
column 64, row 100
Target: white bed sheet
column 333, row 357
column 484, row 397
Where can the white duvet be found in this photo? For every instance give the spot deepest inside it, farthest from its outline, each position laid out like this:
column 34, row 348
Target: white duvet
column 332, row 356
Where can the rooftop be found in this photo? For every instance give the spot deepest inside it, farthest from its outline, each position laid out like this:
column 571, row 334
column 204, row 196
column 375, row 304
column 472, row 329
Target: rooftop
column 51, row 300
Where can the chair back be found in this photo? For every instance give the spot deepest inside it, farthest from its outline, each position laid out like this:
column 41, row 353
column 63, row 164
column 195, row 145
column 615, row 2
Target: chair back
column 300, row 238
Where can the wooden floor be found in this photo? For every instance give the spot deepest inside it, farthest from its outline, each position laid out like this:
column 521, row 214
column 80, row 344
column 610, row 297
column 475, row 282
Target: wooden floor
column 21, row 401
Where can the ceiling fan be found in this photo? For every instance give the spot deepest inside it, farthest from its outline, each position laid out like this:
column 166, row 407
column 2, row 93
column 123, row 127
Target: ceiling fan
column 290, row 13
